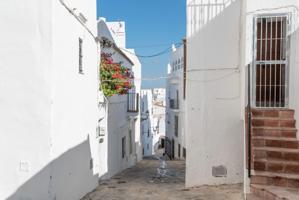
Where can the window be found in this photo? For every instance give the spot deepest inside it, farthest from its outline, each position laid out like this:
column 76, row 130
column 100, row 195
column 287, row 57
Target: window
column 142, row 106
column 147, row 146
column 131, row 145
column 177, row 99
column 179, row 150
column 184, row 152
column 182, row 62
column 179, row 64
column 176, row 125
column 80, row 56
column 123, row 147
column 133, row 101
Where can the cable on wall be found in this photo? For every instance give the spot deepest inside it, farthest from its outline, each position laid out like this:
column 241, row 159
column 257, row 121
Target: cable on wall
column 71, row 11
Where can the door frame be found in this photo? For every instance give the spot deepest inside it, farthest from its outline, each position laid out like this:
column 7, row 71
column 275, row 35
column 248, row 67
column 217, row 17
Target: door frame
column 254, row 62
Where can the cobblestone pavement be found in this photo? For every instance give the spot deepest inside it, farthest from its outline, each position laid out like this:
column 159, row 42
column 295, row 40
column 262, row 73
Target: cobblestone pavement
column 142, row 183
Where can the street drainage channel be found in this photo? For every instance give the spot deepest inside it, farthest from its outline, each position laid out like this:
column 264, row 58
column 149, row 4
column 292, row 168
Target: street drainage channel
column 163, row 172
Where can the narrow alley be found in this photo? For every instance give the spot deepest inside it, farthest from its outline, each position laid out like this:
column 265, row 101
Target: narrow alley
column 149, row 100
column 143, row 182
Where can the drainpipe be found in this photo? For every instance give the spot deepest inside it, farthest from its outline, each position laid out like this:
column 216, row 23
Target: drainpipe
column 249, row 121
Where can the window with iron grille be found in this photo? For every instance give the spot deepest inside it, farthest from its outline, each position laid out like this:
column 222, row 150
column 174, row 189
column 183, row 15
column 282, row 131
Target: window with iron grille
column 123, row 147
column 176, row 125
column 271, row 61
column 80, row 56
column 133, row 102
column 179, row 150
column 131, row 142
column 184, row 152
column 174, row 103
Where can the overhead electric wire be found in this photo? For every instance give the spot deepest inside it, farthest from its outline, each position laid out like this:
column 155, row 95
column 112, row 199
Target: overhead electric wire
column 168, row 77
column 149, row 46
column 153, row 55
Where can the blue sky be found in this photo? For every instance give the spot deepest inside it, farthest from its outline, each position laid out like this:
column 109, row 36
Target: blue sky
column 148, row 23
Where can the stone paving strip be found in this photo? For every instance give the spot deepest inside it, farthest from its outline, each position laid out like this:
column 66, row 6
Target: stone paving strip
column 142, row 182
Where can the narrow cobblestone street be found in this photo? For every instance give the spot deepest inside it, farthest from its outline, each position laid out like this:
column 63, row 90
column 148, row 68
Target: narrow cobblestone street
column 142, row 182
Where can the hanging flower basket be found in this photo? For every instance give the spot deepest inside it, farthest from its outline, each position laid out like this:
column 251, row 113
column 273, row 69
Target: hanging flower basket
column 115, row 78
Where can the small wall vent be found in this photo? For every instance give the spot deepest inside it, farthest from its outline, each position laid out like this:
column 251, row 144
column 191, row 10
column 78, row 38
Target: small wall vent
column 219, row 171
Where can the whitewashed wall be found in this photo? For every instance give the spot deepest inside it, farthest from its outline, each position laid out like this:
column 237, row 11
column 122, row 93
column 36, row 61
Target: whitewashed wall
column 153, row 128
column 158, row 117
column 175, row 83
column 48, row 109
column 214, row 129
column 290, row 7
column 25, row 98
column 136, row 119
column 253, row 8
column 118, row 121
column 74, row 107
column 232, row 47
column 146, row 105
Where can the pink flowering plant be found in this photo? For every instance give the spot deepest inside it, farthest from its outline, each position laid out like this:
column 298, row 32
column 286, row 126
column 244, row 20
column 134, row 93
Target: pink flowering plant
column 115, row 78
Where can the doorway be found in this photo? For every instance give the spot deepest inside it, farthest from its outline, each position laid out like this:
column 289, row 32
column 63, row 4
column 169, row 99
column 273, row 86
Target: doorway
column 270, row 74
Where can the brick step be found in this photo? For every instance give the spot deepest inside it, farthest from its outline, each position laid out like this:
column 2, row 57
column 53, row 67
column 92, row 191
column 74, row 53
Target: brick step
column 273, row 122
column 281, row 113
column 275, row 153
column 274, row 192
column 275, row 179
column 276, row 165
column 280, row 142
column 274, row 131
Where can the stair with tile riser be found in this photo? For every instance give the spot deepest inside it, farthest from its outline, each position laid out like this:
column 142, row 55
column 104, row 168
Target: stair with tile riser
column 274, row 193
column 274, row 132
column 252, row 197
column 279, row 142
column 275, row 179
column 275, row 152
column 273, row 122
column 276, row 165
column 277, row 113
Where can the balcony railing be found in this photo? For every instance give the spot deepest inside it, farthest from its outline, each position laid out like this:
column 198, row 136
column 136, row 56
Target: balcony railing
column 174, row 104
column 133, row 102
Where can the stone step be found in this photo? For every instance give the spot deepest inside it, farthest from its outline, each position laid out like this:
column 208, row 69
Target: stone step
column 274, row 131
column 273, row 122
column 274, row 192
column 280, row 142
column 276, row 165
column 252, row 197
column 275, row 153
column 281, row 113
column 275, row 179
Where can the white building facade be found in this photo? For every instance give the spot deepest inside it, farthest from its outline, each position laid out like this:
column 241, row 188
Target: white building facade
column 49, row 84
column 223, row 40
column 121, row 144
column 153, row 120
column 175, row 107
